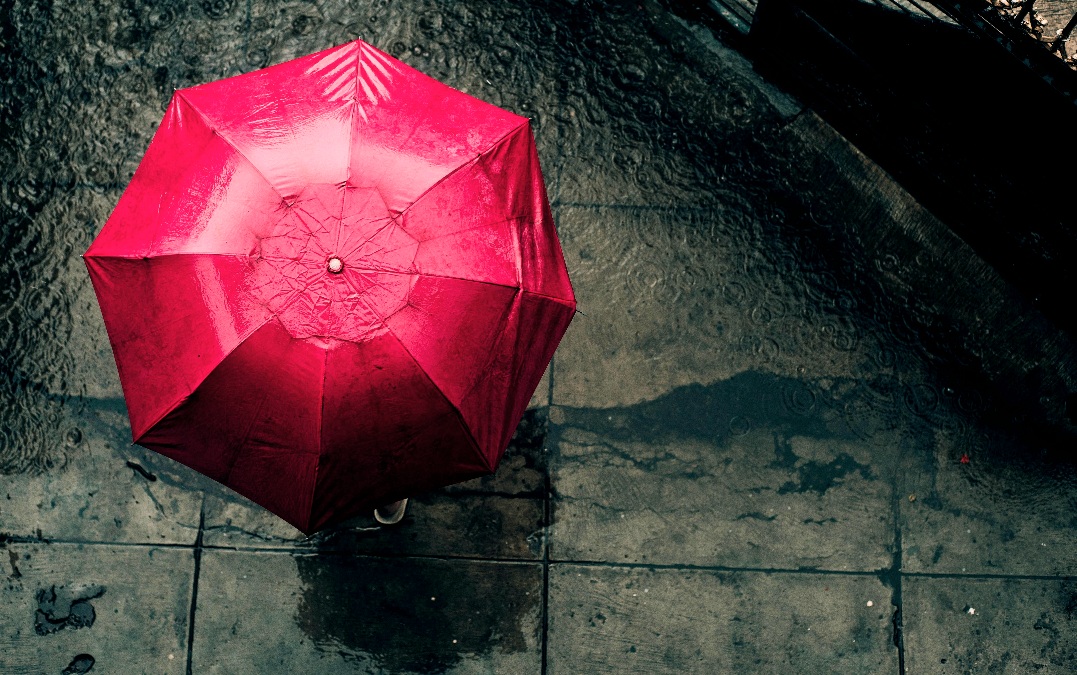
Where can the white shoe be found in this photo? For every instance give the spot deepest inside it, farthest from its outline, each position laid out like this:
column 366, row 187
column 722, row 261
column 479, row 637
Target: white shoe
column 391, row 514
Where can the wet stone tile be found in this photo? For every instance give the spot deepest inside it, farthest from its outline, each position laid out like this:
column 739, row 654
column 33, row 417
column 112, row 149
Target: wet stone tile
column 96, row 79
column 987, row 500
column 53, row 346
column 669, row 298
column 757, row 471
column 624, row 620
column 103, row 489
column 334, row 614
column 72, row 473
column 498, row 516
column 957, row 625
column 925, row 297
column 435, row 524
column 974, row 370
column 657, row 123
column 122, row 610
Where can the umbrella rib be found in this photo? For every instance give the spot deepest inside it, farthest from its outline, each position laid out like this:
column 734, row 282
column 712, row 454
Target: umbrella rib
column 474, row 160
column 351, row 140
column 171, row 407
column 246, row 437
column 507, row 219
column 321, row 436
column 452, row 406
column 366, row 241
column 435, row 276
column 503, row 324
column 209, row 124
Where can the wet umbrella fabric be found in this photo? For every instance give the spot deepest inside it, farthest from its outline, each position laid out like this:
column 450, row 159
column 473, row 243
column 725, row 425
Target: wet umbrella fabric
column 332, row 283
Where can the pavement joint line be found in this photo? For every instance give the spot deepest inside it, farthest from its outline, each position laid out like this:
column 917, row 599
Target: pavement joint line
column 194, row 586
column 559, row 169
column 893, row 576
column 46, row 541
column 659, row 208
column 688, row 567
column 546, row 518
column 340, row 553
column 310, row 551
column 969, row 575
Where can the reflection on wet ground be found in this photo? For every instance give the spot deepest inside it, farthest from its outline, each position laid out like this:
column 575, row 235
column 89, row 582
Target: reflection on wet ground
column 797, row 427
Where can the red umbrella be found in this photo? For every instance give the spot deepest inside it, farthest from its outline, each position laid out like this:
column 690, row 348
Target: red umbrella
column 332, row 283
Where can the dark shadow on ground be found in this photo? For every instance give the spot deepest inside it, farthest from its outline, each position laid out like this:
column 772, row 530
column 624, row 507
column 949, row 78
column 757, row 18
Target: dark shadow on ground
column 964, row 124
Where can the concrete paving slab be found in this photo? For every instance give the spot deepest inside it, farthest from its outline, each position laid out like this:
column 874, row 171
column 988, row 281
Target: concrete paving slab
column 987, row 503
column 769, row 323
column 106, row 491
column 963, row 625
column 632, row 620
column 114, row 609
column 342, row 614
column 984, row 383
column 750, row 472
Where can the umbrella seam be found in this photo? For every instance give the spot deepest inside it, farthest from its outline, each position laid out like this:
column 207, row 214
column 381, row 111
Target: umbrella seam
column 362, row 269
column 351, row 141
column 493, row 146
column 246, row 437
column 517, row 246
column 170, row 408
column 504, row 321
column 436, row 276
column 518, row 298
column 452, row 406
column 321, row 438
column 392, row 222
column 508, row 219
column 209, row 124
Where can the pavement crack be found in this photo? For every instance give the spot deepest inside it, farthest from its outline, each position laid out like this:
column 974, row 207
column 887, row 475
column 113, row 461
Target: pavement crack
column 139, row 469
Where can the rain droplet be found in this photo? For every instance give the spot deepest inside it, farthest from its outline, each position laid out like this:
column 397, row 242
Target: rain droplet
column 739, row 426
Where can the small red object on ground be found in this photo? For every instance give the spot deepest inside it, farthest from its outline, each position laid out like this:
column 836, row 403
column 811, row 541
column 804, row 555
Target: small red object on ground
column 332, row 283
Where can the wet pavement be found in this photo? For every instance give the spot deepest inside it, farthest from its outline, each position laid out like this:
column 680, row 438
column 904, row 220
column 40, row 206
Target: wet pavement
column 798, row 426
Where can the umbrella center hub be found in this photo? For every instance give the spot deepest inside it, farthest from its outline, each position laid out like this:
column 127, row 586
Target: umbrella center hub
column 335, row 265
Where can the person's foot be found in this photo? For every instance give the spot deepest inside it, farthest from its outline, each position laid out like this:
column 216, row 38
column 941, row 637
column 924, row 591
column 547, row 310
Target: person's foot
column 391, row 514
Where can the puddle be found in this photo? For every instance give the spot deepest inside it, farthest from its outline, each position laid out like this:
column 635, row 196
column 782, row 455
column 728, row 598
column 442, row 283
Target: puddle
column 64, row 607
column 419, row 615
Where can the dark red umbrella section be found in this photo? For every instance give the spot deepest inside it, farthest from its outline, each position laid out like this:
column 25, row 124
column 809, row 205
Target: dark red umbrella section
column 332, row 283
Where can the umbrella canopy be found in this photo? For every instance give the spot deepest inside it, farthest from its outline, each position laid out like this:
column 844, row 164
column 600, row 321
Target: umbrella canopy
column 332, row 283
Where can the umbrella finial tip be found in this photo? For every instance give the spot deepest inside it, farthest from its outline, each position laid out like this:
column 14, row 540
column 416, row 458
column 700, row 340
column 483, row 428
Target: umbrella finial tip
column 335, row 265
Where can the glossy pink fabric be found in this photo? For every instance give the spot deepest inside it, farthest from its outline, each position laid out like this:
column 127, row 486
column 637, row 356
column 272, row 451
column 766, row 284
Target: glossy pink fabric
column 319, row 394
